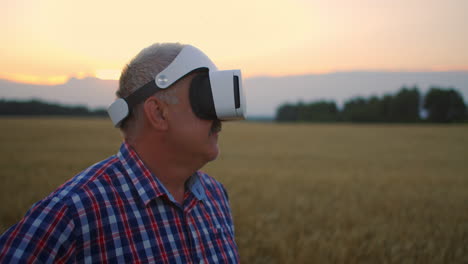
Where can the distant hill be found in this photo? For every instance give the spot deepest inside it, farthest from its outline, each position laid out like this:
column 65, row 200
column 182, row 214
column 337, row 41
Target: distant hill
column 90, row 92
column 264, row 94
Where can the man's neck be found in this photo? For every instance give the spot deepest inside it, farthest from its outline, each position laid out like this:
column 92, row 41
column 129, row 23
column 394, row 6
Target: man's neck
column 170, row 170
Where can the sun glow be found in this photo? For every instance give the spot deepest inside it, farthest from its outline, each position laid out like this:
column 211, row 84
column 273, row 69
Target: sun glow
column 33, row 79
column 45, row 42
column 108, row 74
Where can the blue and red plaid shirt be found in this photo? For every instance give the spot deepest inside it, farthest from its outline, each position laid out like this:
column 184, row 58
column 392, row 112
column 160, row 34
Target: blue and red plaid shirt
column 116, row 211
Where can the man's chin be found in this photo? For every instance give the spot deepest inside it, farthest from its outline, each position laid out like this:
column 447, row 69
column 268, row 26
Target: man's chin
column 213, row 155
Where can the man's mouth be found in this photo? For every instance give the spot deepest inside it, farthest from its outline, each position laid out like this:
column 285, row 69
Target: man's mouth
column 215, row 127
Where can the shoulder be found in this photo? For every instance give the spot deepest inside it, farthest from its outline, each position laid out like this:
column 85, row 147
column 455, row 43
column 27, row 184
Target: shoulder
column 89, row 180
column 54, row 222
column 84, row 190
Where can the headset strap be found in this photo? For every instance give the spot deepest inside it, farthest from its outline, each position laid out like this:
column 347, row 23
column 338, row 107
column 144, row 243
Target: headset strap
column 141, row 94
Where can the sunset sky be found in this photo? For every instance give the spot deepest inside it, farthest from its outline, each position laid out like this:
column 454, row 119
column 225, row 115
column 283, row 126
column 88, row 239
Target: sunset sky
column 49, row 41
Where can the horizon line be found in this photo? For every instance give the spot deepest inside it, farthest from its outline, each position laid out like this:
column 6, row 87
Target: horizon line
column 59, row 80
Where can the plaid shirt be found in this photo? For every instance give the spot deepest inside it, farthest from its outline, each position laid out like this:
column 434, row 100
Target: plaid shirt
column 116, row 211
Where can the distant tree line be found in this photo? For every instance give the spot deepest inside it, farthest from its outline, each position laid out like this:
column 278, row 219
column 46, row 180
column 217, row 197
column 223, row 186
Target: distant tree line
column 439, row 105
column 40, row 108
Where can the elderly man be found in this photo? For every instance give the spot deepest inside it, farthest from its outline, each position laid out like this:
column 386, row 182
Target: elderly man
column 149, row 203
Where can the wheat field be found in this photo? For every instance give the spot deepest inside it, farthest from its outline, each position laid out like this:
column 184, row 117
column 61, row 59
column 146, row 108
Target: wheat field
column 300, row 193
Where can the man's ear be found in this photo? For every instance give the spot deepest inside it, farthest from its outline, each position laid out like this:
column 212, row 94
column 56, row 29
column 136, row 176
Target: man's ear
column 156, row 113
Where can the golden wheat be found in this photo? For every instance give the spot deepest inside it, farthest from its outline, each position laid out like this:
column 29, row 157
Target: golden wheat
column 300, row 193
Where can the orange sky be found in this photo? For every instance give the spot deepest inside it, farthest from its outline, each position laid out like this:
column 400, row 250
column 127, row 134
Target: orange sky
column 49, row 41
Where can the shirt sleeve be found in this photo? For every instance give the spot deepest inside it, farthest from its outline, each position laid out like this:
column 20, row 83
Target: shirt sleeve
column 44, row 235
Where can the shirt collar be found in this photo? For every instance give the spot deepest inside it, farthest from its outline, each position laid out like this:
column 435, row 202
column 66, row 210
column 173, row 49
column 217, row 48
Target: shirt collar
column 195, row 186
column 148, row 185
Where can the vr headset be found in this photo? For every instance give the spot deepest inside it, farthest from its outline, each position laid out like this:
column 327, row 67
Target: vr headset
column 213, row 94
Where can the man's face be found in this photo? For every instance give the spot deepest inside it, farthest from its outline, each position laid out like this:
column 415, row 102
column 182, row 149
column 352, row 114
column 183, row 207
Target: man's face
column 192, row 137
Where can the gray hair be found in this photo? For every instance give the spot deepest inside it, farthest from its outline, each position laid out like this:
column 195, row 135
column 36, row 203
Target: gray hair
column 142, row 69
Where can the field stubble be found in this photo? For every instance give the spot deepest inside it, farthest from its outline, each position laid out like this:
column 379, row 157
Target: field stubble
column 300, row 193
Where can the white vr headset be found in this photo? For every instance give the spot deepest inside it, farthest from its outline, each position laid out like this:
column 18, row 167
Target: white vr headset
column 213, row 94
